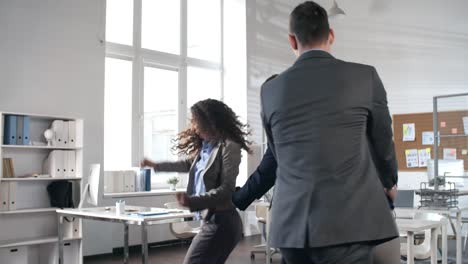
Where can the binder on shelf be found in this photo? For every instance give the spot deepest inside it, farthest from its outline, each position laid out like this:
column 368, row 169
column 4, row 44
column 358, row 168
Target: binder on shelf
column 11, row 168
column 71, row 228
column 4, row 196
column 139, row 181
column 26, row 139
column 118, row 180
column 146, row 174
column 4, row 169
column 54, row 164
column 58, row 157
column 70, row 164
column 9, row 137
column 12, row 196
column 57, row 127
column 65, row 168
column 19, row 130
column 72, row 134
column 65, row 134
column 108, row 182
column 129, row 181
column 8, row 170
column 14, row 255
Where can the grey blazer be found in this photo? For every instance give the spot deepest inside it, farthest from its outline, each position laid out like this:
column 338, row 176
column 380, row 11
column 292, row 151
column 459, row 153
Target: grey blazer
column 329, row 128
column 219, row 176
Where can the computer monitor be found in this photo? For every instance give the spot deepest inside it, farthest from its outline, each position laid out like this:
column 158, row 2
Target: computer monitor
column 91, row 190
column 404, row 198
column 450, row 168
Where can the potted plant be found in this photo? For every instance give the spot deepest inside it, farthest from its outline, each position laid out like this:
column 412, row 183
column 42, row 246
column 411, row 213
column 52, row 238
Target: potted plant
column 173, row 182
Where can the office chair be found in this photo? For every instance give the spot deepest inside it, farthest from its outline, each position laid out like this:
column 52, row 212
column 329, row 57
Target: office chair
column 181, row 230
column 262, row 213
column 423, row 250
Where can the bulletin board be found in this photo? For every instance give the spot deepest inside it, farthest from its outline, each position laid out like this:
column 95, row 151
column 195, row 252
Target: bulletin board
column 450, row 123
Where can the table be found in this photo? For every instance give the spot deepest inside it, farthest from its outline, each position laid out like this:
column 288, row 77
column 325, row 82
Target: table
column 108, row 214
column 449, row 213
column 410, row 226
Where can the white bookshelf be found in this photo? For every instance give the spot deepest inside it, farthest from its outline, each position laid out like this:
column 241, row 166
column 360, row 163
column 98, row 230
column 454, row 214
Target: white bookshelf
column 38, row 147
column 29, row 227
column 41, row 179
column 35, row 241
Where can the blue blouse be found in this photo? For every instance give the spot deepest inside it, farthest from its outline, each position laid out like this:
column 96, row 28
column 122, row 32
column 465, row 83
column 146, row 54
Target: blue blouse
column 200, row 166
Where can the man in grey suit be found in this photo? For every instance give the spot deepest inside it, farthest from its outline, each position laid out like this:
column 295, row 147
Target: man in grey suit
column 329, row 129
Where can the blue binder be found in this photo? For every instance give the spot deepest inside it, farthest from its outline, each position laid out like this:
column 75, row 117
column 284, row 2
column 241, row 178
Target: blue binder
column 147, row 179
column 19, row 130
column 9, row 135
column 26, row 139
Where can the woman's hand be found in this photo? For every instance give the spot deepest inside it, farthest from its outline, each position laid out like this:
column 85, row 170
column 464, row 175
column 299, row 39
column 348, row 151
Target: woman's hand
column 182, row 198
column 147, row 163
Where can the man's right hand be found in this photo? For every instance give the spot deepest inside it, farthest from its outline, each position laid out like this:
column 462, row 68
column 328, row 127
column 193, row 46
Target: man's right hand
column 392, row 193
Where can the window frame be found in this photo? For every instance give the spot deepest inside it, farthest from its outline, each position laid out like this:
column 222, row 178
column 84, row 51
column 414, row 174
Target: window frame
column 142, row 57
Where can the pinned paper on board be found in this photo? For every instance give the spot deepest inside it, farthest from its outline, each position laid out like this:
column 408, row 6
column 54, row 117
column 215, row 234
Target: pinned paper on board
column 465, row 124
column 443, row 124
column 428, row 138
column 412, row 158
column 450, row 153
column 423, row 156
column 409, row 132
column 464, row 151
column 454, row 131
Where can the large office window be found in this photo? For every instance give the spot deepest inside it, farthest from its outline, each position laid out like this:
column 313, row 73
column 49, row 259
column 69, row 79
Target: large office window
column 161, row 57
column 117, row 111
column 161, row 25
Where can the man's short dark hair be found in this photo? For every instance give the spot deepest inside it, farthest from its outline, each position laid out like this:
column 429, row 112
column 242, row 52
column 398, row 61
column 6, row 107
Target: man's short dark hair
column 309, row 22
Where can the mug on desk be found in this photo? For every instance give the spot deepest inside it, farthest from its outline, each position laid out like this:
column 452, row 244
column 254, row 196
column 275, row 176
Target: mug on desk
column 119, row 207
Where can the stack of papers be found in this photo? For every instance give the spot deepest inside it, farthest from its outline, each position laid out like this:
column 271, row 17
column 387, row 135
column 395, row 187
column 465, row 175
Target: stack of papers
column 158, row 211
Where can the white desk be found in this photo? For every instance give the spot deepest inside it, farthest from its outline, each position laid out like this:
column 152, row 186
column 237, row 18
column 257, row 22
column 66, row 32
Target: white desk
column 108, row 214
column 410, row 226
column 452, row 213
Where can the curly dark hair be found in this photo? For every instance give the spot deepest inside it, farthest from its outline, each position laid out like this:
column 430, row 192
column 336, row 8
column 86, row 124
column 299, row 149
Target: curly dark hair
column 216, row 119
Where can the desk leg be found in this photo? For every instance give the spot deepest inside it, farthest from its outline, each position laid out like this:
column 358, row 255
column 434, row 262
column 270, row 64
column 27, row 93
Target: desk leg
column 409, row 248
column 267, row 246
column 60, row 238
column 126, row 255
column 434, row 238
column 458, row 234
column 144, row 243
column 444, row 243
column 268, row 253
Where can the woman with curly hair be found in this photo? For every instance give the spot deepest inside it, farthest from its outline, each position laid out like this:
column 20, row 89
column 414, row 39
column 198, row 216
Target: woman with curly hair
column 212, row 145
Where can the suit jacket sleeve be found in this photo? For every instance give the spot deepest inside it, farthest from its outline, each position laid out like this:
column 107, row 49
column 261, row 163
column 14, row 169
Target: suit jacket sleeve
column 381, row 136
column 265, row 121
column 177, row 166
column 258, row 183
column 231, row 158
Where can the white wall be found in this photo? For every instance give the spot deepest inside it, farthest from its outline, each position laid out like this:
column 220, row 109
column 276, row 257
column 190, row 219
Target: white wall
column 53, row 63
column 420, row 49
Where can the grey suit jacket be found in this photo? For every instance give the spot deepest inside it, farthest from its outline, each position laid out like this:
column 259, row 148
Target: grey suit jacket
column 219, row 176
column 329, row 129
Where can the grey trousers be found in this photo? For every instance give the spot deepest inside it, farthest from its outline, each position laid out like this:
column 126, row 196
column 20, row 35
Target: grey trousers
column 341, row 254
column 219, row 235
column 388, row 252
